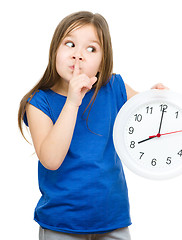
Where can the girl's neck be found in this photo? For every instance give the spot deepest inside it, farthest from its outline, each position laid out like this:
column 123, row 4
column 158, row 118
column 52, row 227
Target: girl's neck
column 61, row 88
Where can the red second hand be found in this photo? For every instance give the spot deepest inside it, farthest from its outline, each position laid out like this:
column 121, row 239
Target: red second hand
column 158, row 135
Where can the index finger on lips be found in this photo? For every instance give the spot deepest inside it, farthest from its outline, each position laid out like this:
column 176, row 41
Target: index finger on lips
column 76, row 70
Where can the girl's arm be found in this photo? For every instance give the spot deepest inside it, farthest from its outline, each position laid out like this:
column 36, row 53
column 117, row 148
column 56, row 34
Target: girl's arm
column 52, row 142
column 130, row 92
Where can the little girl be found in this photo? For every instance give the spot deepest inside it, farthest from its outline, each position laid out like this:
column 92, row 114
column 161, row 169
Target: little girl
column 70, row 114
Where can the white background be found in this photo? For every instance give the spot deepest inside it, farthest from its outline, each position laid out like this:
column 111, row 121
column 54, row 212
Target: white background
column 147, row 45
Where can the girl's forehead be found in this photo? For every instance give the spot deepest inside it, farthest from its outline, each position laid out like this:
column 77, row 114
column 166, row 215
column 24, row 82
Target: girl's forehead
column 88, row 31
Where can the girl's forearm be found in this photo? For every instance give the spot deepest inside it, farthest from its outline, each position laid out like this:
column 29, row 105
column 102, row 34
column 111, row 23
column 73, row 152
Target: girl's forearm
column 55, row 146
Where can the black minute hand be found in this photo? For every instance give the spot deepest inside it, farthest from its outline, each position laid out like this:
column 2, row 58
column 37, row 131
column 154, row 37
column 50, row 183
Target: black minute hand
column 161, row 121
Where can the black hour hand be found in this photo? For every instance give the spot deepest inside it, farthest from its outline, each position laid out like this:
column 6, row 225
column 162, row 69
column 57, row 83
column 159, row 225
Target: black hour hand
column 146, row 139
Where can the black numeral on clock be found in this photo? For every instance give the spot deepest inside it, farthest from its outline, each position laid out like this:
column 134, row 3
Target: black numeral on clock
column 141, row 154
column 164, row 107
column 168, row 160
column 149, row 109
column 180, row 153
column 138, row 117
column 131, row 130
column 132, row 144
column 154, row 162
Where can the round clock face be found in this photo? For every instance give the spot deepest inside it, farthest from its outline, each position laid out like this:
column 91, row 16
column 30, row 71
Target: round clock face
column 148, row 134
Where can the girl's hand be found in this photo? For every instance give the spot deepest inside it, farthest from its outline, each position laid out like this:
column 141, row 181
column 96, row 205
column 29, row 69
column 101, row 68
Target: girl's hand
column 78, row 86
column 159, row 86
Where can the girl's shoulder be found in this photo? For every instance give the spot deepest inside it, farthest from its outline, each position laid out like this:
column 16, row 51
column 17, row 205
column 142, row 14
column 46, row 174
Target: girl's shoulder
column 118, row 86
column 38, row 94
column 116, row 79
column 45, row 96
column 41, row 100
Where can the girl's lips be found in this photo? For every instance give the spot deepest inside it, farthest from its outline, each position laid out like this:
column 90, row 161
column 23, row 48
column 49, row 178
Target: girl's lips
column 72, row 67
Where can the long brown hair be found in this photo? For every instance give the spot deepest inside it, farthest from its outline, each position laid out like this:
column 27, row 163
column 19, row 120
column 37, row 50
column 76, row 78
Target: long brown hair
column 50, row 76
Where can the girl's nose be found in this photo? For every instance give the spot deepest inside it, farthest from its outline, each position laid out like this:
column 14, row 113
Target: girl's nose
column 77, row 54
column 79, row 58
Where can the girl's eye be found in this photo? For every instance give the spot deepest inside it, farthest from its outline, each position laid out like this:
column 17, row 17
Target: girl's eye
column 91, row 49
column 70, row 44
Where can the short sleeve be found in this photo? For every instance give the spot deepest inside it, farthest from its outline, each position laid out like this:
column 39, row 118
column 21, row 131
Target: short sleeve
column 119, row 89
column 40, row 101
column 122, row 87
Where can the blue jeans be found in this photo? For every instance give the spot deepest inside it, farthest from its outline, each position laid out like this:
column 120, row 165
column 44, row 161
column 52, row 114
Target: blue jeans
column 118, row 234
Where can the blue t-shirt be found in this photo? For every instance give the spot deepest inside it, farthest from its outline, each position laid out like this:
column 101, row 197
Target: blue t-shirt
column 88, row 193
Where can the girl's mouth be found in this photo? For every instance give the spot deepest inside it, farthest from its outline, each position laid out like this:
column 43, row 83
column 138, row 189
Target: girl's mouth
column 72, row 67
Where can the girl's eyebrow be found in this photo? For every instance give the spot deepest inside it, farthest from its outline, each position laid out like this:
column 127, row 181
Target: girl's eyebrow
column 69, row 35
column 95, row 41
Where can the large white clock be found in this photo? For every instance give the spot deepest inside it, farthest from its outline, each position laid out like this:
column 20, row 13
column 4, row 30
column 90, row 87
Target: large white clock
column 148, row 134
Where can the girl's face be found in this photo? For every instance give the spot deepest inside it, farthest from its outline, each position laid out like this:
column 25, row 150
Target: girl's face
column 82, row 43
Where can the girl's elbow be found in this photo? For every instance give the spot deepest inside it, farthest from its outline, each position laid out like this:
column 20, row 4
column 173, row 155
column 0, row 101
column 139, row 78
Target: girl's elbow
column 50, row 158
column 50, row 162
column 51, row 165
